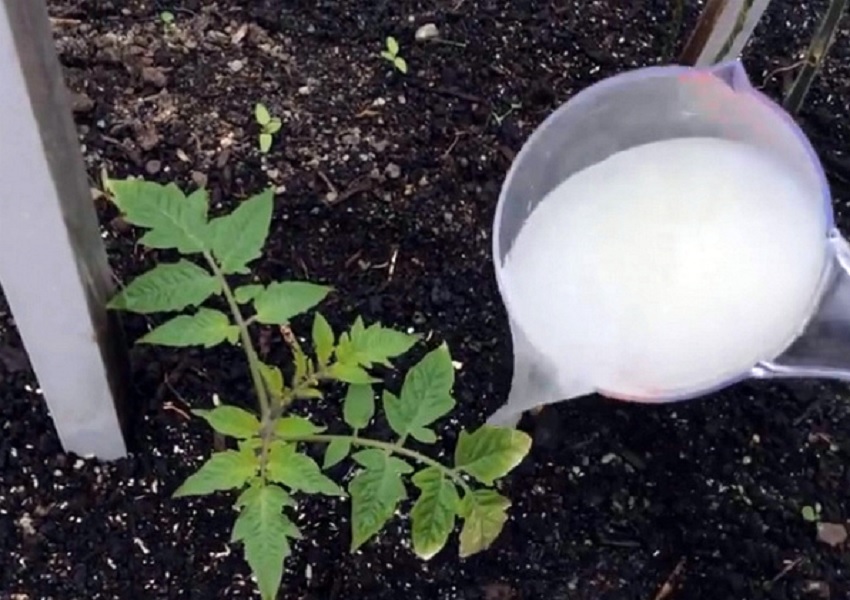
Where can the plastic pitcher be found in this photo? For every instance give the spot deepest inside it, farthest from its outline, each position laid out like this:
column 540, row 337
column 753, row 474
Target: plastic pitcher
column 648, row 105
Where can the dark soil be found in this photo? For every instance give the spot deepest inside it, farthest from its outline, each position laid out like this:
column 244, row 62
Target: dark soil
column 386, row 189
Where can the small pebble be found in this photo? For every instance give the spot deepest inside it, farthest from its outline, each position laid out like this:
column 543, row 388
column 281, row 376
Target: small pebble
column 153, row 167
column 236, row 65
column 393, row 171
column 427, row 32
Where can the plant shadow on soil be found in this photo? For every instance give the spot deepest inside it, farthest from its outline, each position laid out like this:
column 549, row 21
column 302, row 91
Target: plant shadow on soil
column 386, row 190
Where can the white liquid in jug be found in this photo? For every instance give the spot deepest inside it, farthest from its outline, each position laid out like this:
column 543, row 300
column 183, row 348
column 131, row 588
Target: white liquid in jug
column 668, row 268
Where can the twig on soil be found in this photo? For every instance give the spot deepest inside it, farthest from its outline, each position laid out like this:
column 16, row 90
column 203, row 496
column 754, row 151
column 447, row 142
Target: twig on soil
column 391, row 270
column 669, row 585
column 458, row 135
column 331, row 187
column 790, row 566
column 64, row 21
column 170, row 406
column 779, row 70
column 442, row 91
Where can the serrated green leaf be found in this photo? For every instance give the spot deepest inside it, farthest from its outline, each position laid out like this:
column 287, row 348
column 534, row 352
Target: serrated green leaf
column 310, row 393
column 323, row 339
column 246, row 293
column 222, row 471
column 375, row 492
column 359, row 405
column 303, row 364
column 274, row 126
column 207, row 327
column 230, row 420
column 261, row 114
column 248, row 495
column 335, row 452
column 265, row 530
column 491, row 452
column 365, row 346
column 400, row 64
column 281, row 301
column 484, row 513
column 265, row 142
column 425, row 396
column 174, row 220
column 299, row 472
column 237, row 239
column 273, row 379
column 297, row 427
column 433, row 514
column 424, row 435
column 167, row 287
column 350, row 374
column 392, row 45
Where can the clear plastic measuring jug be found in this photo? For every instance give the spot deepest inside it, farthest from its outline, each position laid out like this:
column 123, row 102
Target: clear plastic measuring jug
column 648, row 105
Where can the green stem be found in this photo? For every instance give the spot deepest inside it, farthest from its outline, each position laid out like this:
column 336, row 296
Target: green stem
column 387, row 446
column 244, row 335
column 267, row 428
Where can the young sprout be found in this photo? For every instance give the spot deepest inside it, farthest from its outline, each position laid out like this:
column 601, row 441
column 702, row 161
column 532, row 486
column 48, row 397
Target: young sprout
column 167, row 17
column 269, row 126
column 391, row 54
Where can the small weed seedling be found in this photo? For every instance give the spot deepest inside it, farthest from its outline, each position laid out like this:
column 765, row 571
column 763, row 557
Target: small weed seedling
column 390, row 53
column 811, row 514
column 167, row 19
column 268, row 466
column 269, row 126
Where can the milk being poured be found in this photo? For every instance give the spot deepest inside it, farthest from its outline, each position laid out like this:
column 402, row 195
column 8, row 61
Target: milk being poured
column 668, row 267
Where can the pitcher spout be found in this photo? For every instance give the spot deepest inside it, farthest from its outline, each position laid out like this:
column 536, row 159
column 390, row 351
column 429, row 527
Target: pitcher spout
column 733, row 74
column 823, row 349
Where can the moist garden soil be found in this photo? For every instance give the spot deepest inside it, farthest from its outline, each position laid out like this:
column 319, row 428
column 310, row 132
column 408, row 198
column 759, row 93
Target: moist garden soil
column 386, row 189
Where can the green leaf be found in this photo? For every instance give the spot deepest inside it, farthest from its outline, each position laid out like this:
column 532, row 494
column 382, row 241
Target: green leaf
column 167, row 287
column 359, row 405
column 265, row 531
column 174, row 220
column 400, row 64
column 207, row 327
column 230, row 420
column 375, row 492
column 279, row 302
column 261, row 113
column 299, row 472
column 491, row 452
column 246, row 293
column 323, row 339
column 392, row 45
column 376, row 344
column 237, row 239
column 425, row 396
column 265, row 142
column 303, row 364
column 337, row 450
column 484, row 513
column 350, row 374
column 809, row 514
column 222, row 471
column 386, row 54
column 424, row 435
column 273, row 378
column 296, row 427
column 433, row 514
column 273, row 126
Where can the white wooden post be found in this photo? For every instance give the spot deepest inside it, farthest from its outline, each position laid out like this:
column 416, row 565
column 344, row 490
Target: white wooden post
column 53, row 267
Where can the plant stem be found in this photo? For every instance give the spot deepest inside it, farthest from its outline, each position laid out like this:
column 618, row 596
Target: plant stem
column 387, row 446
column 253, row 361
column 244, row 335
